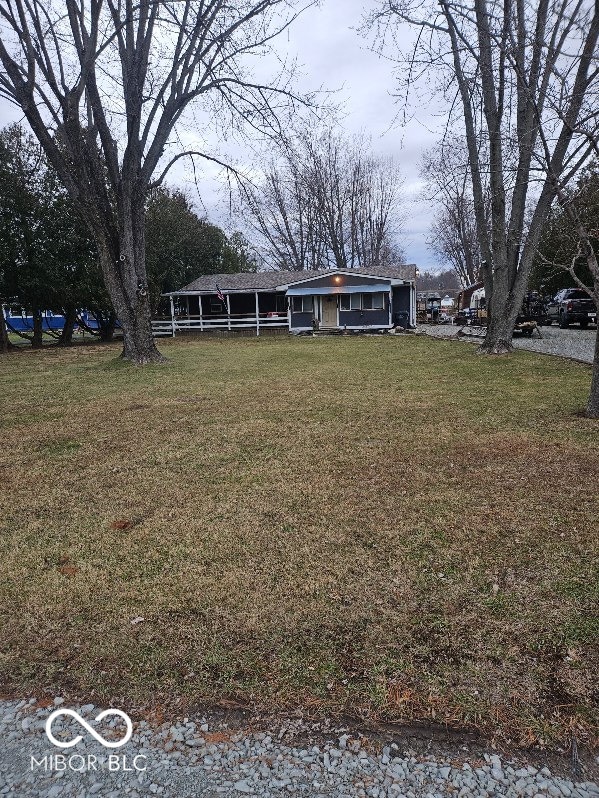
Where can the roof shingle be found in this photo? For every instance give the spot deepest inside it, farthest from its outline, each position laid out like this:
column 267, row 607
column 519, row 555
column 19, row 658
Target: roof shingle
column 260, row 281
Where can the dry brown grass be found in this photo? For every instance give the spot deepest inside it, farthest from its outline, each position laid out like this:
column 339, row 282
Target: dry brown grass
column 397, row 528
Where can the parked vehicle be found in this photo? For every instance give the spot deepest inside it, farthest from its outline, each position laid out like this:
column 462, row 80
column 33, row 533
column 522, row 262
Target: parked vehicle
column 571, row 306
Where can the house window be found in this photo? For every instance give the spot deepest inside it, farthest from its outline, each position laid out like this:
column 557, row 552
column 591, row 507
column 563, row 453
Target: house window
column 216, row 306
column 303, row 304
column 363, row 301
column 351, row 302
column 378, row 301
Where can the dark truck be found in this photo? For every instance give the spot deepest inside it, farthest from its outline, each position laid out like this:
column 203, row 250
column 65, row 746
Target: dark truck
column 571, row 306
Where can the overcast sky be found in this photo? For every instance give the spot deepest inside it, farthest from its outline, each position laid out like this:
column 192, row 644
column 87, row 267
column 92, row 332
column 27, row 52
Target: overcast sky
column 333, row 53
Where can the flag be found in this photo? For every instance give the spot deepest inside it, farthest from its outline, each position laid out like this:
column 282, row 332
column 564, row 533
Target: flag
column 221, row 296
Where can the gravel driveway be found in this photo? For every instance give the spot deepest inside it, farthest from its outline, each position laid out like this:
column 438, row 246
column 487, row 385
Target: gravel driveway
column 571, row 343
column 199, row 758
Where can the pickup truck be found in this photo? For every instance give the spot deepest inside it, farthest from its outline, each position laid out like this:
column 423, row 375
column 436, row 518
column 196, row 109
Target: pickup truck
column 571, row 305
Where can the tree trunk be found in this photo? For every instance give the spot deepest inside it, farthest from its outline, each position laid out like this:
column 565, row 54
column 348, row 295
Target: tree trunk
column 502, row 311
column 38, row 333
column 66, row 336
column 5, row 344
column 593, row 403
column 106, row 326
column 125, row 278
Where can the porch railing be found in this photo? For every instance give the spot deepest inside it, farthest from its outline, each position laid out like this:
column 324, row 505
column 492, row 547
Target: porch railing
column 171, row 326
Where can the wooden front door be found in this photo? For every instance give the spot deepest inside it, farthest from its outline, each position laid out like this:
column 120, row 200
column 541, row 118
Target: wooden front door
column 329, row 311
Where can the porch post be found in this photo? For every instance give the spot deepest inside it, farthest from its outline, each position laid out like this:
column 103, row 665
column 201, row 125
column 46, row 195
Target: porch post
column 390, row 307
column 201, row 317
column 228, row 312
column 257, row 314
column 187, row 300
column 172, row 314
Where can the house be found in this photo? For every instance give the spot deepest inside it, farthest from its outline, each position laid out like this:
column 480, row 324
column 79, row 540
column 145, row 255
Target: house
column 353, row 299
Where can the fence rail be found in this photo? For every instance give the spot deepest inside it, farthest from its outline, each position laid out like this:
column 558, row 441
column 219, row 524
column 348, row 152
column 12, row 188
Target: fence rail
column 167, row 326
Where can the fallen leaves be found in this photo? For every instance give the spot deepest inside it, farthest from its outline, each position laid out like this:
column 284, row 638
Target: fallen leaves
column 68, row 570
column 121, row 524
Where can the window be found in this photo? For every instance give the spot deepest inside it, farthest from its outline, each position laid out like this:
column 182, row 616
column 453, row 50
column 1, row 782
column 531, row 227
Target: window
column 378, row 301
column 303, row 304
column 576, row 294
column 351, row 302
column 216, row 306
column 363, row 301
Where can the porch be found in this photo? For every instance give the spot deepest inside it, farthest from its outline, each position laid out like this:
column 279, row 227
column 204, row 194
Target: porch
column 206, row 312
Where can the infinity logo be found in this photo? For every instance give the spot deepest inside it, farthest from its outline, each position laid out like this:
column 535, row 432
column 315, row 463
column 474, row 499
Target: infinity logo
column 71, row 713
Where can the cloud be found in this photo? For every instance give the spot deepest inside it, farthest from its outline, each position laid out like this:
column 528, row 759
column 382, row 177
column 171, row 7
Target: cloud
column 331, row 52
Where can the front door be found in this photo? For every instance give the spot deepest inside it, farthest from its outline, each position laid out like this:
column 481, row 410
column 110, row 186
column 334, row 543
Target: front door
column 329, row 311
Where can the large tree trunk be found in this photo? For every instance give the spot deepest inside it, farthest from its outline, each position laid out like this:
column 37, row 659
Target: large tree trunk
column 125, row 277
column 5, row 344
column 66, row 336
column 130, row 298
column 501, row 320
column 38, row 333
column 593, row 403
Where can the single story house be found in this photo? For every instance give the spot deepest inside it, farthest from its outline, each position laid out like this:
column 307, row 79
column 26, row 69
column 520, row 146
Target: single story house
column 353, row 299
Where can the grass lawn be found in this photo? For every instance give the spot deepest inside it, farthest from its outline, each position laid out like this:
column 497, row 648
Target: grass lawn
column 392, row 527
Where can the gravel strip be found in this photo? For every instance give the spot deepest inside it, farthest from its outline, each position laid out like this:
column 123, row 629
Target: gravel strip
column 572, row 343
column 197, row 758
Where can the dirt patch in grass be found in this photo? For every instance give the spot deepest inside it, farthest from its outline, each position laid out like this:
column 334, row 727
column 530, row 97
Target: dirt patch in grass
column 399, row 529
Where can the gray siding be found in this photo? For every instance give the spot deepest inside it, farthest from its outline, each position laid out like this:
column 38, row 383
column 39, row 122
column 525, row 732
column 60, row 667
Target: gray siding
column 364, row 318
column 301, row 320
column 401, row 298
column 342, row 279
column 400, row 313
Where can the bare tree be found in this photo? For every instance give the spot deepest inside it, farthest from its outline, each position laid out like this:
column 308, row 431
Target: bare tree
column 453, row 232
column 103, row 84
column 574, row 244
column 524, row 76
column 326, row 202
column 587, row 252
column 283, row 214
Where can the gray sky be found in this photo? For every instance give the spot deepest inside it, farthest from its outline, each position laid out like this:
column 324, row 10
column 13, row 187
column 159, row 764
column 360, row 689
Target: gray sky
column 331, row 49
column 333, row 54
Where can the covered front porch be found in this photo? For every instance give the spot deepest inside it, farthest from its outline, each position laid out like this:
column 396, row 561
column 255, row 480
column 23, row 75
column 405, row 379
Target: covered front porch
column 205, row 312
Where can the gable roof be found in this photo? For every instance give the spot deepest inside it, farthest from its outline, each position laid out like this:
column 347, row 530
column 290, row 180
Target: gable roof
column 263, row 281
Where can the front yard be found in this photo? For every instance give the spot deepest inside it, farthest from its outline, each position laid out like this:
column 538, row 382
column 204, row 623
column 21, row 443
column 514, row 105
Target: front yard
column 392, row 527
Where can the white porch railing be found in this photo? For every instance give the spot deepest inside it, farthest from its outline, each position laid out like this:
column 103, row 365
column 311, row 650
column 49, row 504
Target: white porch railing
column 166, row 326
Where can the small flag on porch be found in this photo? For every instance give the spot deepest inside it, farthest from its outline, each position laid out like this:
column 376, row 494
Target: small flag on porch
column 222, row 298
column 220, row 295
